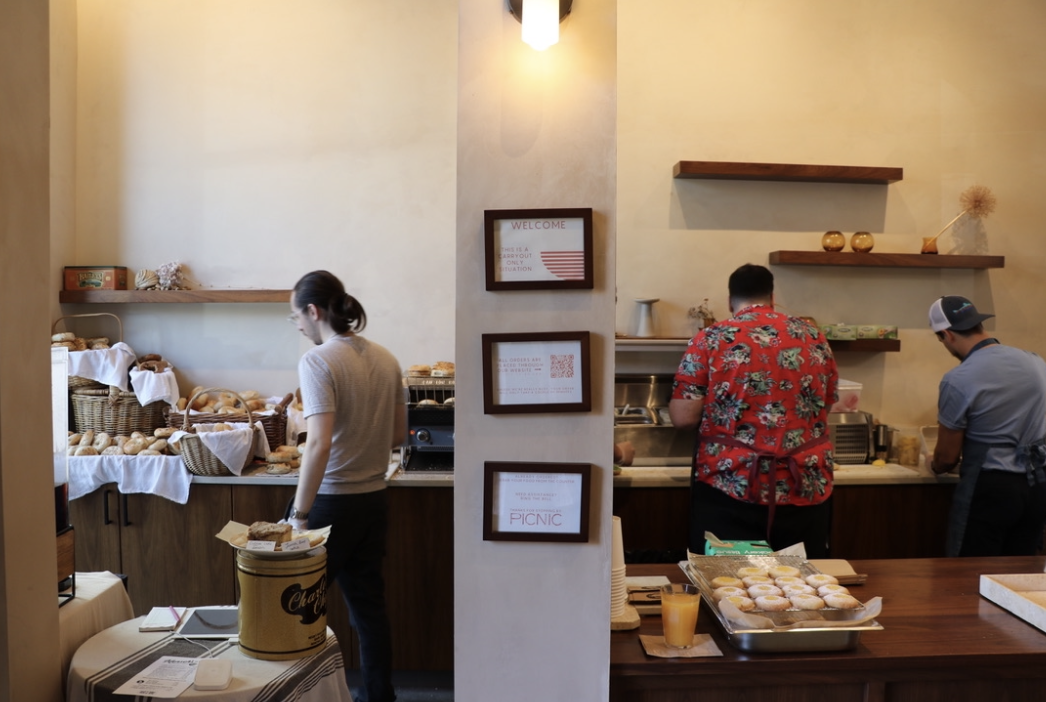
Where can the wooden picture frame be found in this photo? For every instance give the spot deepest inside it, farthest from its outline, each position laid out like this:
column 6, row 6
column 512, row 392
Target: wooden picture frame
column 537, row 372
column 536, row 501
column 543, row 249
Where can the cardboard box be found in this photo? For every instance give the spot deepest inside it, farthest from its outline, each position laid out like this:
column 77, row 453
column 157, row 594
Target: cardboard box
column 96, row 278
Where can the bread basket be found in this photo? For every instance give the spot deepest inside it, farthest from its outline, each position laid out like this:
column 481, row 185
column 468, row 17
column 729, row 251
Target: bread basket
column 198, row 459
column 274, row 425
column 76, row 381
column 113, row 411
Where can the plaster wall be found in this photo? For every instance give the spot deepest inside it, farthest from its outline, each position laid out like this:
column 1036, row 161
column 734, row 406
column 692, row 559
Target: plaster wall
column 949, row 90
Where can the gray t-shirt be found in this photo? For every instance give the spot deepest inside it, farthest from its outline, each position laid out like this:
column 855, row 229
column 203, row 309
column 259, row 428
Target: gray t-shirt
column 997, row 395
column 360, row 382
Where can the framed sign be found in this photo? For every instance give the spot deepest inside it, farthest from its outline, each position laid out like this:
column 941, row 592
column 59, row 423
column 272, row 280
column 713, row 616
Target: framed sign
column 538, row 249
column 536, row 501
column 541, row 372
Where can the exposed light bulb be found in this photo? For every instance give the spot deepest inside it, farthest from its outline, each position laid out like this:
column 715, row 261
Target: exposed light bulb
column 540, row 23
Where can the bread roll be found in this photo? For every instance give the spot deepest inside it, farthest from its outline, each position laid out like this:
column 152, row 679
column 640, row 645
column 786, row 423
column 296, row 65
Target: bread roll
column 160, row 445
column 85, row 451
column 277, row 457
column 74, row 439
column 71, row 345
column 63, row 336
column 87, row 439
column 80, row 344
column 113, row 450
column 101, row 441
column 248, row 395
column 149, row 452
column 135, row 446
column 278, row 468
column 420, row 370
column 164, row 432
column 268, row 531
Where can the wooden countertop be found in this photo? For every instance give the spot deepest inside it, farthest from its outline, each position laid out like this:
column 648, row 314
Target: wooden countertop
column 941, row 641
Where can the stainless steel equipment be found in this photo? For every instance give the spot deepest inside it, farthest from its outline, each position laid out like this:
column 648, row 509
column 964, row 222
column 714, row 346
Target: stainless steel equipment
column 641, row 417
column 851, row 436
column 430, row 425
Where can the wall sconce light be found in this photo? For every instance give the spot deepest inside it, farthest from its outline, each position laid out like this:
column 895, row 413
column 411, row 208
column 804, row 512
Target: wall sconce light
column 540, row 21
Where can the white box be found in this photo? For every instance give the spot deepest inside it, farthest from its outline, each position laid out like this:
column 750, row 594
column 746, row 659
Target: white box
column 849, row 396
column 1022, row 594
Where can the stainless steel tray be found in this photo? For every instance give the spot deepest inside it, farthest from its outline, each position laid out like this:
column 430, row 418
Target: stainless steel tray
column 700, row 570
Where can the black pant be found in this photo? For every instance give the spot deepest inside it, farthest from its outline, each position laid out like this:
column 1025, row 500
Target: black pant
column 1007, row 516
column 355, row 550
column 729, row 519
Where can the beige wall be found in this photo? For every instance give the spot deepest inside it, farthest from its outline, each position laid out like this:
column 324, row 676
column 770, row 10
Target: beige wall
column 949, row 90
column 29, row 661
column 256, row 140
column 537, row 130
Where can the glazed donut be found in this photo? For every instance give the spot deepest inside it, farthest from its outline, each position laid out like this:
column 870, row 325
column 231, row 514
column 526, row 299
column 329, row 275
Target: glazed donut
column 725, row 581
column 757, row 580
column 806, row 602
column 750, row 572
column 101, row 441
column 745, row 604
column 790, row 590
column 772, row 603
column 722, row 592
column 780, row 571
column 757, row 591
column 819, row 579
column 832, row 590
column 787, row 580
column 841, row 601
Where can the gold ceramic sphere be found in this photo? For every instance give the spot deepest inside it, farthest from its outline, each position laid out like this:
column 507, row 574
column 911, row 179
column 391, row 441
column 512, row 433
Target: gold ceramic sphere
column 833, row 241
column 862, row 242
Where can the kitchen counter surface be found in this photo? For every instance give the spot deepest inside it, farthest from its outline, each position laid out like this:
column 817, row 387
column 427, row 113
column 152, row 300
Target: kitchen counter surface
column 633, row 477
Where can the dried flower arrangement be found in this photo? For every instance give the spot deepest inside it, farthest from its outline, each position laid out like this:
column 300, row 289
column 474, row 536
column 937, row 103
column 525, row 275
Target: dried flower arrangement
column 976, row 201
column 702, row 315
column 169, row 276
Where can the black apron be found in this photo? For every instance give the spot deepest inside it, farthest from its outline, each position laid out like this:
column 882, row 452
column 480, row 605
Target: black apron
column 1031, row 457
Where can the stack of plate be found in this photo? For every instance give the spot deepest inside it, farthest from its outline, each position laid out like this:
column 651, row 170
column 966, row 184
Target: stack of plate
column 618, row 588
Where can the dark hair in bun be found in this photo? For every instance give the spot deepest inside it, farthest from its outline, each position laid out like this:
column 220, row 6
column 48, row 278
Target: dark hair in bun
column 342, row 311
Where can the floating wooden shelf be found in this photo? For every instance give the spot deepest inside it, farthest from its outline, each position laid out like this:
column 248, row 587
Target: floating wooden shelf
column 869, row 345
column 169, row 296
column 795, row 172
column 882, row 260
column 633, row 343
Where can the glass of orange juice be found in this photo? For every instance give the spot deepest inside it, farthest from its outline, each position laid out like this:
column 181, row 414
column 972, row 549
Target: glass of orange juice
column 679, row 605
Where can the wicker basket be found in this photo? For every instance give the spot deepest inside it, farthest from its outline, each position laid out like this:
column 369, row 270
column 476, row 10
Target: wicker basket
column 274, row 425
column 75, row 381
column 199, row 459
column 115, row 412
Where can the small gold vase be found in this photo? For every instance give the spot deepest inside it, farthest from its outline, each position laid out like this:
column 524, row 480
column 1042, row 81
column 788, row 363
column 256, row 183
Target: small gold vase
column 833, row 241
column 862, row 242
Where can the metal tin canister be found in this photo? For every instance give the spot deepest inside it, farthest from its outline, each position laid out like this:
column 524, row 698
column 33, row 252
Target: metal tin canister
column 283, row 604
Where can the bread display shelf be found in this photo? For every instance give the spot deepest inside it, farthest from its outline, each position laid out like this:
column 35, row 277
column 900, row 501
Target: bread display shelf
column 794, row 172
column 883, row 260
column 172, row 296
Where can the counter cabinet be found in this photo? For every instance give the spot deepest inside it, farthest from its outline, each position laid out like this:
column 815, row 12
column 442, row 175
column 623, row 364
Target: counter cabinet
column 170, row 556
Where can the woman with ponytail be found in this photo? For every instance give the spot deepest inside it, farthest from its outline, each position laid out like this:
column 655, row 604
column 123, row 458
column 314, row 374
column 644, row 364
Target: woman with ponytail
column 353, row 402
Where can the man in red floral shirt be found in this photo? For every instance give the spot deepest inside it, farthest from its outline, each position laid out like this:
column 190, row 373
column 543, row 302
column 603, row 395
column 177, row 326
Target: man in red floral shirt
column 758, row 387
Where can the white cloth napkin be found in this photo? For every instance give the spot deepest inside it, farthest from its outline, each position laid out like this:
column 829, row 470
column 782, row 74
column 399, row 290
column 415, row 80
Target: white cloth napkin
column 107, row 366
column 232, row 447
column 150, row 387
column 158, row 475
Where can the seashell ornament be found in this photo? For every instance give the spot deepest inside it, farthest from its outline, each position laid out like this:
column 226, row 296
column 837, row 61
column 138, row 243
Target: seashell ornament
column 146, row 279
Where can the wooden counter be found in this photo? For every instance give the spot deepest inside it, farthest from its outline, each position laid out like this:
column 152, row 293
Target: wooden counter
column 941, row 642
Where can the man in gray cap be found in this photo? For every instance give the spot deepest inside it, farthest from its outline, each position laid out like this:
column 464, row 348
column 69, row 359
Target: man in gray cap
column 991, row 414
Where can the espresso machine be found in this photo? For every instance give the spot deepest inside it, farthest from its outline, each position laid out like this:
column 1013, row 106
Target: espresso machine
column 430, row 425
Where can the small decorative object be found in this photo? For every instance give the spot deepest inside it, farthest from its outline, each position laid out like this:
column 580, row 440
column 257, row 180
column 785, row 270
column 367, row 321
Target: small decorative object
column 862, row 242
column 171, row 277
column 146, row 279
column 700, row 317
column 976, row 201
column 833, row 241
column 645, row 325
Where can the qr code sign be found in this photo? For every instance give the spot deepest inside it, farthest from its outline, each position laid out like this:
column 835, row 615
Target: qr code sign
column 562, row 365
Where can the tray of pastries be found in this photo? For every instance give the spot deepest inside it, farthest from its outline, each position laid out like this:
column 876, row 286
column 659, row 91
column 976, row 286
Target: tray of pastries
column 779, row 603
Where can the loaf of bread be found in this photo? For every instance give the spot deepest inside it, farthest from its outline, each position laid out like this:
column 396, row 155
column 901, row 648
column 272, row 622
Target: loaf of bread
column 420, row 370
column 268, row 531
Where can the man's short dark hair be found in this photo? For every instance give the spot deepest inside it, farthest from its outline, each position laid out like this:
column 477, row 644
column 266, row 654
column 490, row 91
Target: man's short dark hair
column 751, row 282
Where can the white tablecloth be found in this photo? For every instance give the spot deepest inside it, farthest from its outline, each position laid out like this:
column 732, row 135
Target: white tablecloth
column 110, row 658
column 101, row 601
column 165, row 476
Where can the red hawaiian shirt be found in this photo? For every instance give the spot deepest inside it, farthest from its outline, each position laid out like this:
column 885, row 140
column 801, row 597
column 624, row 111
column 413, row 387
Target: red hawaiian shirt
column 767, row 381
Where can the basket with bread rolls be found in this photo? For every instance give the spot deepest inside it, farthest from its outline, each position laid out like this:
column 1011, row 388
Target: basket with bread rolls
column 198, row 458
column 216, row 405
column 76, row 343
column 101, row 443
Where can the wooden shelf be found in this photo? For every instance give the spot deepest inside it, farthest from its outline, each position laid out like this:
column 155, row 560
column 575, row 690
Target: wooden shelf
column 169, row 296
column 867, row 345
column 794, row 172
column 882, row 260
